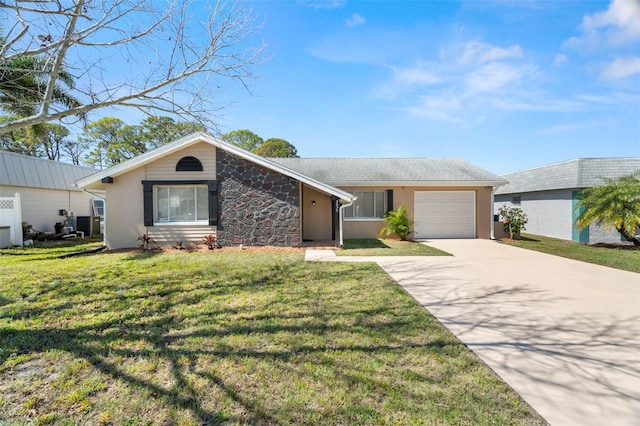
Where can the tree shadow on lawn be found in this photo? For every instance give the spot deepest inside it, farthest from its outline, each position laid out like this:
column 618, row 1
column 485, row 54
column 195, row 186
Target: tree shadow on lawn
column 166, row 331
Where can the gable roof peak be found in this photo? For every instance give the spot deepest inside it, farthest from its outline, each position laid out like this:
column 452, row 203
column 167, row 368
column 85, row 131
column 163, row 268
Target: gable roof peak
column 197, row 137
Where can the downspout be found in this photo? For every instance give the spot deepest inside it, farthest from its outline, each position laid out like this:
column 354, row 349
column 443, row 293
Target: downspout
column 104, row 200
column 493, row 236
column 341, row 217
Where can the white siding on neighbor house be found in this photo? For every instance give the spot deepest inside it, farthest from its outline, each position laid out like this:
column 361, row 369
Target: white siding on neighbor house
column 40, row 207
column 165, row 167
column 550, row 213
column 597, row 234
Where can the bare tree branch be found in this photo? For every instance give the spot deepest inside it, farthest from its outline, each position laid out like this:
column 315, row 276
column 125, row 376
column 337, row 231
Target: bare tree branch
column 141, row 54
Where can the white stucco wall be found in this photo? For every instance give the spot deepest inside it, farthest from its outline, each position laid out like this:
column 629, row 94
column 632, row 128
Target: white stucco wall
column 598, row 234
column 551, row 213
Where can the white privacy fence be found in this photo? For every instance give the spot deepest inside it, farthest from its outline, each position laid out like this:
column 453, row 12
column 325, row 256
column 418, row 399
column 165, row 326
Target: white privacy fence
column 11, row 216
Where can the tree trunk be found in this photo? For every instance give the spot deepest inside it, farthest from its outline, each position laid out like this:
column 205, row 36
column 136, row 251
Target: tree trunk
column 633, row 239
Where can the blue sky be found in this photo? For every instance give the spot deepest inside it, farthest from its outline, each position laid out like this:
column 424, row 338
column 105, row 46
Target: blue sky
column 504, row 85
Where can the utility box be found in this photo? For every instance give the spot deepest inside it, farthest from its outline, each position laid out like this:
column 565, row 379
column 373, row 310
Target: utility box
column 90, row 225
column 5, row 236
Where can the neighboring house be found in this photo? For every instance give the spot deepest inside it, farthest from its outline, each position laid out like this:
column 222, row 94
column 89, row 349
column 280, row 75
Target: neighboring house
column 548, row 195
column 46, row 188
column 199, row 185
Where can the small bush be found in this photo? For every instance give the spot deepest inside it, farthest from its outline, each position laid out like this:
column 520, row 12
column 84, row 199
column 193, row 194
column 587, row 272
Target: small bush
column 514, row 220
column 397, row 223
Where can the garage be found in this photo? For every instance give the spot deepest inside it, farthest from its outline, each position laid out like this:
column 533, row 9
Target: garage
column 444, row 214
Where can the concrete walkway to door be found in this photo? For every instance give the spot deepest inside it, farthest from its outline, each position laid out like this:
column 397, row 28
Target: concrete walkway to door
column 564, row 334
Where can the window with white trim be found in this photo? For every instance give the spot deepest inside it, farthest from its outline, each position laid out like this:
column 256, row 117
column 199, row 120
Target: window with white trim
column 98, row 207
column 181, row 204
column 369, row 205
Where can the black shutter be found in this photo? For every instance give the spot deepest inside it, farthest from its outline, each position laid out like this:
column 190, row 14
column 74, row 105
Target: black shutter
column 389, row 200
column 213, row 202
column 147, row 188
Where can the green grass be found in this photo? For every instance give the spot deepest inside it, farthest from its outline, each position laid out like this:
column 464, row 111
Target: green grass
column 627, row 259
column 387, row 247
column 229, row 338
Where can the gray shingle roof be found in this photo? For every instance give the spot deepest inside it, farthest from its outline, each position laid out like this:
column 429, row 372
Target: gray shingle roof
column 406, row 171
column 579, row 173
column 33, row 172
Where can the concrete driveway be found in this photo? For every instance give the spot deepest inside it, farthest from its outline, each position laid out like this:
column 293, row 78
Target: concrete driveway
column 564, row 334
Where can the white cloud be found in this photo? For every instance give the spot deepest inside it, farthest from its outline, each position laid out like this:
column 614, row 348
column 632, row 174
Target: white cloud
column 442, row 108
column 558, row 129
column 415, row 76
column 323, row 4
column 560, row 59
column 619, row 24
column 494, row 76
column 408, row 80
column 621, row 68
column 616, row 26
column 477, row 52
column 356, row 20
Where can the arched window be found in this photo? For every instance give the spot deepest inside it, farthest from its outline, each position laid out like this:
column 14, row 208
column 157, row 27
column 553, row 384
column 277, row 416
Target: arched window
column 189, row 164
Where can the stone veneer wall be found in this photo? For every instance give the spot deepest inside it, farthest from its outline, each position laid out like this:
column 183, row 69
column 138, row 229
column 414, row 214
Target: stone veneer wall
column 257, row 206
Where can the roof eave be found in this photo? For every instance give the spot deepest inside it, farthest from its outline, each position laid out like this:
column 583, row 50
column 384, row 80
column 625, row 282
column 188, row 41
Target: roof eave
column 262, row 161
column 142, row 159
column 150, row 156
column 418, row 183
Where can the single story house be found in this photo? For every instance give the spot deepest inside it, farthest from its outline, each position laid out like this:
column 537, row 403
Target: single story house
column 548, row 195
column 48, row 194
column 199, row 185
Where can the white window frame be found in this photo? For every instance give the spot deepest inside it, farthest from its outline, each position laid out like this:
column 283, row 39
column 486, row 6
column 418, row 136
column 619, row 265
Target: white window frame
column 97, row 204
column 197, row 221
column 376, row 194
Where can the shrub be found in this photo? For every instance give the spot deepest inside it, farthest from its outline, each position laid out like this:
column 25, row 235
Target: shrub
column 397, row 223
column 514, row 220
column 210, row 241
column 148, row 243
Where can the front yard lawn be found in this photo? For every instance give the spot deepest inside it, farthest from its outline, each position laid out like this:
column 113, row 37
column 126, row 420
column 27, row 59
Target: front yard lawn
column 626, row 258
column 229, row 338
column 387, row 247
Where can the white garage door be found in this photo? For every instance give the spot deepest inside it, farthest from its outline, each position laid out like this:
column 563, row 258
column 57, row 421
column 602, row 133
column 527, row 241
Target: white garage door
column 445, row 214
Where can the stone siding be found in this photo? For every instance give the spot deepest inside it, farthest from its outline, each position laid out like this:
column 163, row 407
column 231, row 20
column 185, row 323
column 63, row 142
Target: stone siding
column 257, row 206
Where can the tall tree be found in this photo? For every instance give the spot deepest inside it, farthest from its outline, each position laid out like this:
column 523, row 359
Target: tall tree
column 153, row 56
column 275, row 147
column 158, row 131
column 16, row 141
column 616, row 204
column 112, row 141
column 23, row 82
column 74, row 150
column 245, row 139
column 52, row 139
